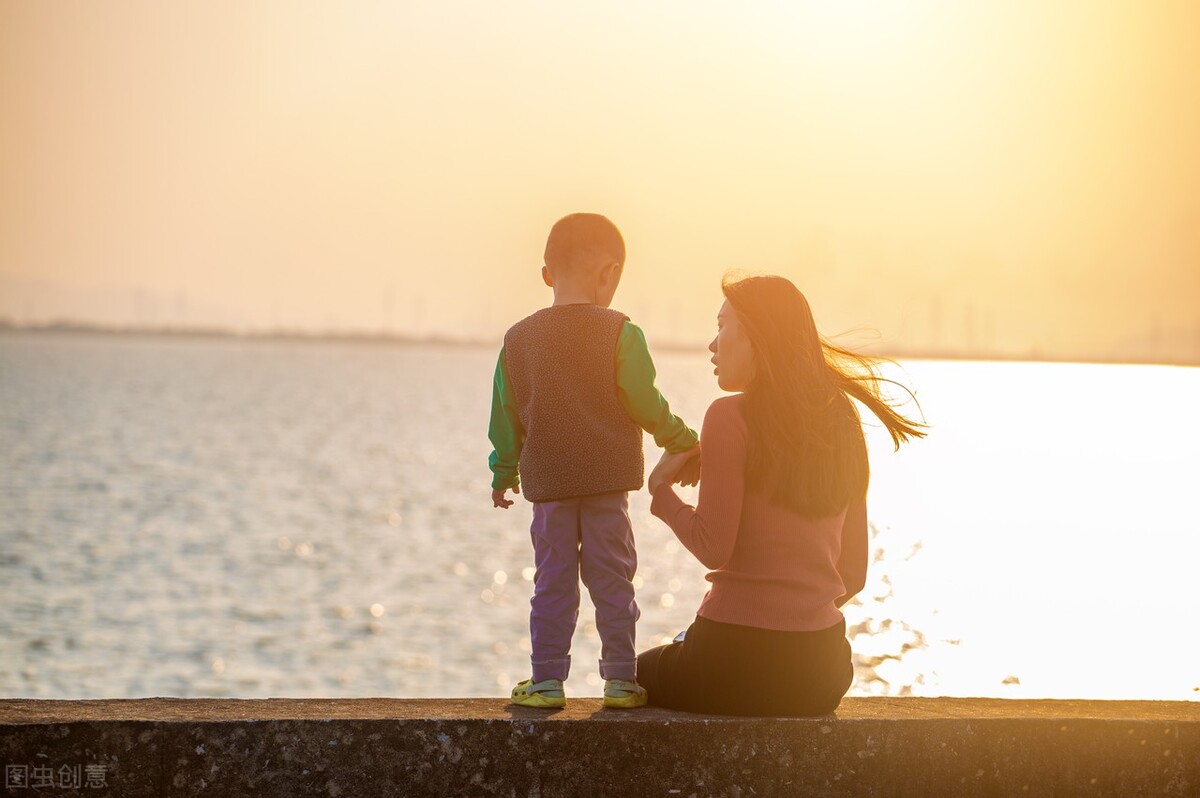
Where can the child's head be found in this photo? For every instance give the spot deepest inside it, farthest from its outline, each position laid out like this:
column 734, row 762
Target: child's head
column 585, row 256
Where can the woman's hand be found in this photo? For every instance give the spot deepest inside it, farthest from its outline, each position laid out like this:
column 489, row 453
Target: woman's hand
column 690, row 473
column 664, row 473
column 671, row 467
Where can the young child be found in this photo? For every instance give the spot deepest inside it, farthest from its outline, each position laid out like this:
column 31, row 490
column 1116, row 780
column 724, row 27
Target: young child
column 573, row 390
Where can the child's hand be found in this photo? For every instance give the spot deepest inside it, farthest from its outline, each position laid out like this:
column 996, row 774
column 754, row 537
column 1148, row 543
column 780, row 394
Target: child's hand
column 498, row 499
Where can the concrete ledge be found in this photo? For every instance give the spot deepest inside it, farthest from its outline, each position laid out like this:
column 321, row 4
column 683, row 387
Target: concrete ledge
column 378, row 746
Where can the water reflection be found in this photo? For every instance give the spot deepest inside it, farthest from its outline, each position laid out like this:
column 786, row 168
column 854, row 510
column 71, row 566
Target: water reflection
column 882, row 637
column 315, row 519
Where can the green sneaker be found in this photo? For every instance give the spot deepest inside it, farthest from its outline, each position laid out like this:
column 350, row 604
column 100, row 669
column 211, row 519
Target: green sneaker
column 546, row 694
column 622, row 694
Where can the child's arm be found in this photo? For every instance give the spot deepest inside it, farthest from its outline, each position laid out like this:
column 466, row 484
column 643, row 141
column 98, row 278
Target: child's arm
column 506, row 435
column 641, row 399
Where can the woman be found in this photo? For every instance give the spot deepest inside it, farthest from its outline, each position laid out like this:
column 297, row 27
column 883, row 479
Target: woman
column 781, row 519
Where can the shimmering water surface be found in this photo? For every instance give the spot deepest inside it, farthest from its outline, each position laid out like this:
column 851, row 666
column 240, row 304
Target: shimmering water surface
column 208, row 517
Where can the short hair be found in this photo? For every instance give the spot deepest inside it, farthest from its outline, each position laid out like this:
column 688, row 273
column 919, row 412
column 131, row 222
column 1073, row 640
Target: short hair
column 583, row 241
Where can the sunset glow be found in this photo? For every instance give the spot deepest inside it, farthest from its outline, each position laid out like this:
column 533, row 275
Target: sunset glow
column 999, row 178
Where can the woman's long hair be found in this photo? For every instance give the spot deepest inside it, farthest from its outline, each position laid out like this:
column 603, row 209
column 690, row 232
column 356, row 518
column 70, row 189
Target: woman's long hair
column 806, row 446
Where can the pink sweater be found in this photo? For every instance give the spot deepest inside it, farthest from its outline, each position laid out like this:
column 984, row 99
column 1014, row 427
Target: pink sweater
column 771, row 568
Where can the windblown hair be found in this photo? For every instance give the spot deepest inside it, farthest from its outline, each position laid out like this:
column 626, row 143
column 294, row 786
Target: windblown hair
column 582, row 242
column 806, row 446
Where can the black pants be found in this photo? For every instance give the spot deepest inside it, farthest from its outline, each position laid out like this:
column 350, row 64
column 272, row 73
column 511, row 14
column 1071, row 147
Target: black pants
column 727, row 669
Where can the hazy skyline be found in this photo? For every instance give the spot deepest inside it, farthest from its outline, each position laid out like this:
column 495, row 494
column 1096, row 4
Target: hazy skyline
column 1013, row 176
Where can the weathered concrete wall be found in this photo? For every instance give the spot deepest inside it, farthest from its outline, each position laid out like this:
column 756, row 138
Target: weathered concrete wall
column 362, row 747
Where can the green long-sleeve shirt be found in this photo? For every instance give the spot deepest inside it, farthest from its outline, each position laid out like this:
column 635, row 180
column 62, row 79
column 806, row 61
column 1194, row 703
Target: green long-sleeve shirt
column 635, row 388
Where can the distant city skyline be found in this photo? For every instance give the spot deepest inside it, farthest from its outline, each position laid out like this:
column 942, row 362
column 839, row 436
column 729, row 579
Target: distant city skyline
column 947, row 329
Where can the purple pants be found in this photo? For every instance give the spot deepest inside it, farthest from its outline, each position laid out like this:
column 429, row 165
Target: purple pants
column 589, row 538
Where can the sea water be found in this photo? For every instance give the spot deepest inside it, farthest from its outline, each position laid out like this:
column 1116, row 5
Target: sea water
column 250, row 517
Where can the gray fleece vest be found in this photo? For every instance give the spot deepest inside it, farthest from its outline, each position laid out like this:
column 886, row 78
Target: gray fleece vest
column 579, row 440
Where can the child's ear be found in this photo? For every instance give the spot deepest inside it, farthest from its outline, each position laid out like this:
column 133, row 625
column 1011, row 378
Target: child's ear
column 546, row 278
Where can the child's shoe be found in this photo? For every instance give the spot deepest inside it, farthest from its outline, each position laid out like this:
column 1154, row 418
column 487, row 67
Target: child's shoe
column 546, row 694
column 622, row 694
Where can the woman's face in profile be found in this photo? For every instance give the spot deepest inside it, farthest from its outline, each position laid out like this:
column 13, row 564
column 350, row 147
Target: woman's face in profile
column 733, row 355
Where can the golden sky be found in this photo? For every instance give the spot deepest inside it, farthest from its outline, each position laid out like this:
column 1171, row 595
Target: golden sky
column 1007, row 175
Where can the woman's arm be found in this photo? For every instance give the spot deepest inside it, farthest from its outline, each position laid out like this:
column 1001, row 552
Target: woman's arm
column 709, row 530
column 852, row 564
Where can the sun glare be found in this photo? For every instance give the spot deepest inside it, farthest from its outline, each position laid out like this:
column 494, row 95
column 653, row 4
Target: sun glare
column 859, row 33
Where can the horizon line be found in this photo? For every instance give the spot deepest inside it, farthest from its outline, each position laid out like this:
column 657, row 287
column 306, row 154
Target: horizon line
column 440, row 339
